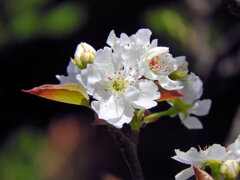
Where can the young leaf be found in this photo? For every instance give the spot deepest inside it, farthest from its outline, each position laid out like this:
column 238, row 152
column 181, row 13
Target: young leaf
column 201, row 175
column 166, row 94
column 66, row 93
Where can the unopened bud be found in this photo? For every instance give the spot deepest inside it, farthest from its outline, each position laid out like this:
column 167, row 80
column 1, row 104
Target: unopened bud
column 229, row 170
column 84, row 55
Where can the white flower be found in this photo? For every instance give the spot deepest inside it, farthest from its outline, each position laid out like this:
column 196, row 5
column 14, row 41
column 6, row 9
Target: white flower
column 72, row 71
column 158, row 64
column 224, row 156
column 155, row 63
column 193, row 91
column 117, row 88
column 198, row 158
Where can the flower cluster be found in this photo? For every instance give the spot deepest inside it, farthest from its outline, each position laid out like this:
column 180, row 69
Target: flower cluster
column 125, row 77
column 221, row 160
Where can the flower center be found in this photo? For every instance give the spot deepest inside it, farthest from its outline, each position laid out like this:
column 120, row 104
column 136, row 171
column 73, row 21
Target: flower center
column 160, row 64
column 120, row 81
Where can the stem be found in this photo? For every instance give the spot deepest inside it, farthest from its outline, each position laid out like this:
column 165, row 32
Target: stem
column 159, row 114
column 127, row 143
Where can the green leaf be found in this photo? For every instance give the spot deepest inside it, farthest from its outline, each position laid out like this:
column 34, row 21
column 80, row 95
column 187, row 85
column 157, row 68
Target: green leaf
column 66, row 93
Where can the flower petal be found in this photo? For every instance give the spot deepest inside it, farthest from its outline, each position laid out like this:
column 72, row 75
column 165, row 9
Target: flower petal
column 72, row 71
column 88, row 78
column 111, row 108
column 148, row 93
column 193, row 88
column 216, row 152
column 191, row 122
column 143, row 36
column 201, row 107
column 169, row 84
column 185, row 174
column 111, row 38
column 190, row 157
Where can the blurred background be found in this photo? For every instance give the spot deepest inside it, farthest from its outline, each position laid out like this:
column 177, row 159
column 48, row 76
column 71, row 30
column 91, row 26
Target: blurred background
column 46, row 140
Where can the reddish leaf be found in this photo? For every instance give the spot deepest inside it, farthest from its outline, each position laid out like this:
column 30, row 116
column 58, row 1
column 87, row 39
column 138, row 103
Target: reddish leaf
column 201, row 175
column 98, row 121
column 166, row 94
column 66, row 93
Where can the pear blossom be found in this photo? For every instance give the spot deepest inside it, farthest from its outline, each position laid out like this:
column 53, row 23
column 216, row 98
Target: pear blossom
column 193, row 89
column 155, row 63
column 227, row 157
column 158, row 64
column 198, row 158
column 190, row 103
column 116, row 88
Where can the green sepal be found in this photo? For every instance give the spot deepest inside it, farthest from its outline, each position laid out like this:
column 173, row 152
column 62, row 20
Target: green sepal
column 178, row 75
column 215, row 167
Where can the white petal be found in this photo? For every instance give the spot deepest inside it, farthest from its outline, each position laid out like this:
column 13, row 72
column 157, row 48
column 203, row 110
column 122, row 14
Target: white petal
column 154, row 43
column 182, row 63
column 215, row 152
column 190, row 157
column 185, row 174
column 192, row 123
column 96, row 105
column 126, row 118
column 131, row 94
column 234, row 150
column 148, row 93
column 143, row 36
column 201, row 108
column 193, row 88
column 111, row 38
column 156, row 51
column 67, row 79
column 89, row 77
column 111, row 108
column 169, row 84
column 72, row 71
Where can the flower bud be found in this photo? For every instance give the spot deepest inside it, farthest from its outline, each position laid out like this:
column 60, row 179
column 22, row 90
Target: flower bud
column 84, row 55
column 229, row 170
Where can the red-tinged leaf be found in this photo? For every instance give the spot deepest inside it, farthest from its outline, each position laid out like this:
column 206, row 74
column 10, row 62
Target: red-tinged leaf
column 98, row 121
column 66, row 93
column 167, row 95
column 201, row 175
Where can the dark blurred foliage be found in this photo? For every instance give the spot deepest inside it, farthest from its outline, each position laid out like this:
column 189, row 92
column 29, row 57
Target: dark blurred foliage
column 42, row 139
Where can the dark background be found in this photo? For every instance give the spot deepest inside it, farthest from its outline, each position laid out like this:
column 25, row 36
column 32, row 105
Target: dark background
column 37, row 38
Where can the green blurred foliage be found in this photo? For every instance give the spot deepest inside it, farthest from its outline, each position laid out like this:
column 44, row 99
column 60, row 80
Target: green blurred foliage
column 170, row 22
column 62, row 19
column 17, row 156
column 24, row 19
